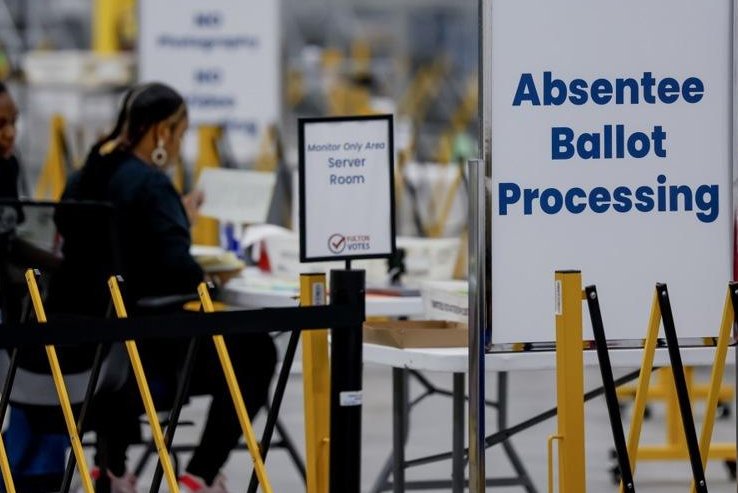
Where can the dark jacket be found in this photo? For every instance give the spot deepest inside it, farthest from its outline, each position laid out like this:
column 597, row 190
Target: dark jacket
column 148, row 243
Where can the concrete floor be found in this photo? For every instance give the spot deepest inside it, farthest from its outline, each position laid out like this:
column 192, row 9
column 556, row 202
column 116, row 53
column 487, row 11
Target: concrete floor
column 531, row 392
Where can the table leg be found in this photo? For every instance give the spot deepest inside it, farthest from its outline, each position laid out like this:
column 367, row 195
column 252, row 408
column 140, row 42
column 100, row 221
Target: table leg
column 511, row 453
column 399, row 427
column 457, row 463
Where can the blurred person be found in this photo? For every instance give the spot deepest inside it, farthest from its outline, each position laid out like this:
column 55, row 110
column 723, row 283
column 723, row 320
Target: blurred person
column 36, row 459
column 152, row 222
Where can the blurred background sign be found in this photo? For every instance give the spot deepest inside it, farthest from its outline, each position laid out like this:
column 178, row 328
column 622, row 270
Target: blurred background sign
column 222, row 55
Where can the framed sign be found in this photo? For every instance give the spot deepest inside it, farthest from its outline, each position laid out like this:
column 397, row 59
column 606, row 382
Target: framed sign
column 347, row 198
column 609, row 129
column 222, row 55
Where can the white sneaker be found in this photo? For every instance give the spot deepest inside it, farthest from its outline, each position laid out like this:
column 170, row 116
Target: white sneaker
column 193, row 484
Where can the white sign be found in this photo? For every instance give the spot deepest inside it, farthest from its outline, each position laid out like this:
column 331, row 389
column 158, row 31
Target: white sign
column 346, row 188
column 236, row 196
column 222, row 55
column 611, row 153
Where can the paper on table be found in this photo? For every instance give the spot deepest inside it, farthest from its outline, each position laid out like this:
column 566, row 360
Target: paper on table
column 237, row 196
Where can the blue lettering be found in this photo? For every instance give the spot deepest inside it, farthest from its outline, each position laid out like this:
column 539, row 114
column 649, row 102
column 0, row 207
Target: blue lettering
column 692, row 90
column 526, row 91
column 707, row 199
column 668, row 90
column 593, row 140
column 578, row 95
column 561, row 143
column 644, row 196
column 546, row 204
column 509, row 194
column 208, row 19
column 621, row 197
column 601, row 91
column 529, row 195
column 569, row 199
column 639, row 151
column 549, row 85
column 599, row 200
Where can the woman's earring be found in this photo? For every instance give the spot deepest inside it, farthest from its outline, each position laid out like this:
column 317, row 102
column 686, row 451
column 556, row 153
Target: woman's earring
column 159, row 155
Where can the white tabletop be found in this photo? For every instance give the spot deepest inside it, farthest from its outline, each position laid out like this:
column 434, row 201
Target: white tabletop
column 455, row 360
column 256, row 290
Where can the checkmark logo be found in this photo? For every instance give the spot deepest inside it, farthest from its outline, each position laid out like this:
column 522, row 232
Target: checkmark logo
column 337, row 243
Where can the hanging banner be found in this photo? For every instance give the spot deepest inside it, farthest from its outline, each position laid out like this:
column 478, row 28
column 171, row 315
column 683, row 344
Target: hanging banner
column 609, row 129
column 346, row 188
column 222, row 55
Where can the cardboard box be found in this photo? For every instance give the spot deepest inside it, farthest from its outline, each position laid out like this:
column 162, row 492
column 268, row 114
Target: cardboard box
column 417, row 333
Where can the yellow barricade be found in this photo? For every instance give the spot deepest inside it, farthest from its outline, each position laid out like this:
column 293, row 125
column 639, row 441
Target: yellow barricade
column 143, row 388
column 235, row 390
column 61, row 388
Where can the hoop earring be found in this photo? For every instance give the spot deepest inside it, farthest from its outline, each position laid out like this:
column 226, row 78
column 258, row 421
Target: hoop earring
column 159, row 155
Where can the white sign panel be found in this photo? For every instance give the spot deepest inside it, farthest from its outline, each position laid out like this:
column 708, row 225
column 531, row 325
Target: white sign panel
column 222, row 55
column 235, row 195
column 346, row 188
column 611, row 153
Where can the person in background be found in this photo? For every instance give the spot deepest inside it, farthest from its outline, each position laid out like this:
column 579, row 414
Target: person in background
column 10, row 216
column 36, row 459
column 152, row 223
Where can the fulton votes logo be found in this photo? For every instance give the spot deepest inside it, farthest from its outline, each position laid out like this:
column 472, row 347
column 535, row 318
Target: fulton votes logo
column 337, row 243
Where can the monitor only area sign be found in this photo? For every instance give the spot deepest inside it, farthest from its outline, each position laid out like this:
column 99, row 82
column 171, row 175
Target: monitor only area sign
column 346, row 188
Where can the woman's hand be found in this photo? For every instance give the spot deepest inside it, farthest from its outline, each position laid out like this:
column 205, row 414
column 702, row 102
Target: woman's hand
column 192, row 202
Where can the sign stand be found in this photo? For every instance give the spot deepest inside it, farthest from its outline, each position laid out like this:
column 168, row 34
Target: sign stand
column 698, row 471
column 608, row 382
column 477, row 326
column 347, row 212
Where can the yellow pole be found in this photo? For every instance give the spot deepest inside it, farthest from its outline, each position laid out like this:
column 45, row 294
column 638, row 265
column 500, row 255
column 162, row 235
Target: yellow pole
column 570, row 381
column 316, row 389
column 106, row 14
column 61, row 388
column 205, row 232
column 53, row 176
column 718, row 368
column 143, row 389
column 235, row 390
column 5, row 469
column 641, row 396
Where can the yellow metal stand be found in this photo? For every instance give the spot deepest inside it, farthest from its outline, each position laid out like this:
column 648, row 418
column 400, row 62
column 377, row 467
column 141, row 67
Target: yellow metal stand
column 206, row 231
column 106, row 25
column 675, row 447
column 317, row 388
column 268, row 157
column 235, row 390
column 718, row 369
column 5, row 469
column 663, row 390
column 569, row 382
column 143, row 388
column 61, row 388
column 53, row 176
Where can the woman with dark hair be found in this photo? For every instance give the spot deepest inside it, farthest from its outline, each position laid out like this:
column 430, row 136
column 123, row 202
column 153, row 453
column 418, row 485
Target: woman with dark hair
column 152, row 225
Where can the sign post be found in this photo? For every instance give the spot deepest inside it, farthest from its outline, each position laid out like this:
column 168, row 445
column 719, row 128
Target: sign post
column 346, row 212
